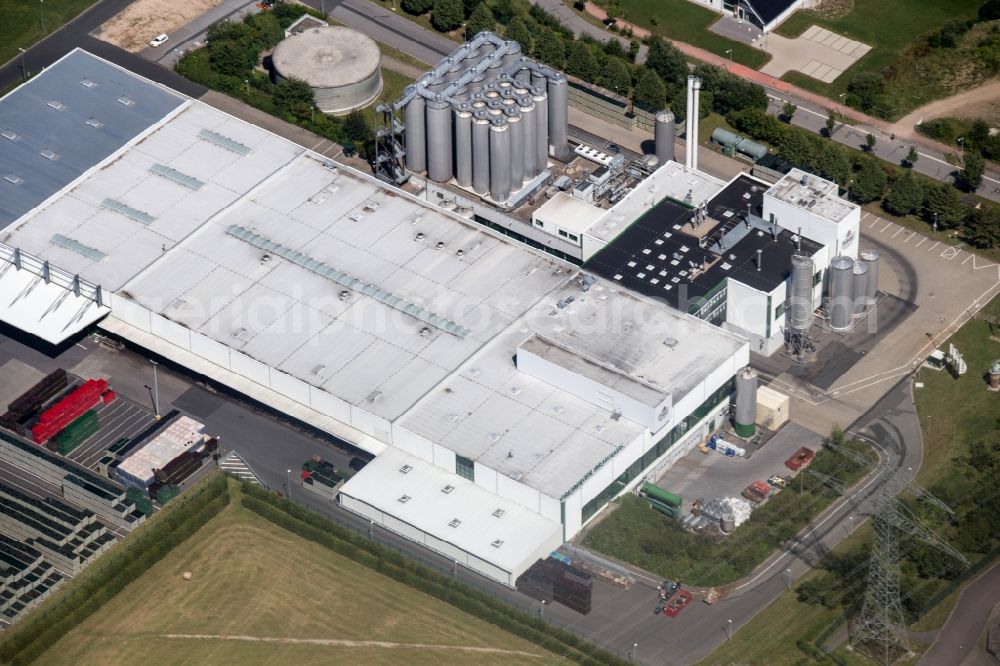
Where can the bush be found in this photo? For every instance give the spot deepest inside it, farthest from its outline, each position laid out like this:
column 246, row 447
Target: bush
column 417, row 7
column 447, row 14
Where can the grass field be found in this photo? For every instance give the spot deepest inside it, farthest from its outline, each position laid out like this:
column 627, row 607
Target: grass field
column 253, row 580
column 687, row 22
column 889, row 26
column 393, row 84
column 21, row 25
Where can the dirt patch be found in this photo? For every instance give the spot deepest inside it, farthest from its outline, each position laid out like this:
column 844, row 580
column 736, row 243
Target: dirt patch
column 834, row 9
column 350, row 643
column 982, row 102
column 144, row 19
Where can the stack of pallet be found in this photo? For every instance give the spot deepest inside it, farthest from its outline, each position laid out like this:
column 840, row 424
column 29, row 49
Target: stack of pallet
column 76, row 432
column 21, row 410
column 321, row 477
column 67, row 410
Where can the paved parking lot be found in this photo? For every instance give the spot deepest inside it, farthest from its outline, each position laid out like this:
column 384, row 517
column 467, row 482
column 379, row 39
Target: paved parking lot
column 121, row 418
column 708, row 475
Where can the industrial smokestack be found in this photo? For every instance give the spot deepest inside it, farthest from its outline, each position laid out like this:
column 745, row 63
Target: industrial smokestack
column 687, row 122
column 694, row 125
column 760, row 259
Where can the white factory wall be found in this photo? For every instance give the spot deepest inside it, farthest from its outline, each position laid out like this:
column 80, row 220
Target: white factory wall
column 591, row 246
column 747, row 315
column 229, row 359
column 839, row 237
column 593, row 391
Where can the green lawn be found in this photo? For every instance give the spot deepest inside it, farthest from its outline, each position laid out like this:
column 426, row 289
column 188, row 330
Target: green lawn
column 889, row 26
column 393, row 84
column 253, row 580
column 21, row 25
column 687, row 22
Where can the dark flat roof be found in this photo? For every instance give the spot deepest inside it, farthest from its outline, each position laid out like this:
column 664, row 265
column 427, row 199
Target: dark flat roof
column 657, row 256
column 768, row 10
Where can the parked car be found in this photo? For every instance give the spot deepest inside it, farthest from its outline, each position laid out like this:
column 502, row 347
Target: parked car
column 669, row 587
column 777, row 481
column 158, row 40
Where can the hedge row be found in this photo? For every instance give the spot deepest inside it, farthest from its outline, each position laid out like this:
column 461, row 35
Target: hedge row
column 112, row 572
column 314, row 527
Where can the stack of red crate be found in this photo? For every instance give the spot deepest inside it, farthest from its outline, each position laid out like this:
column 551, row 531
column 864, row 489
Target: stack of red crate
column 64, row 412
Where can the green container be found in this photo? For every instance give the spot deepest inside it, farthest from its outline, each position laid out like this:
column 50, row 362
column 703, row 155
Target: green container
column 661, row 495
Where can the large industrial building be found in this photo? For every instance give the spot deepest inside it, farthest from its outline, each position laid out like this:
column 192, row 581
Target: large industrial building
column 507, row 395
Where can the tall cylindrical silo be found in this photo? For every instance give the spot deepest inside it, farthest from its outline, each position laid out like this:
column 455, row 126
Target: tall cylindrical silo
column 559, row 114
column 513, row 53
column 664, row 136
column 516, row 131
column 499, row 160
column 745, row 414
column 841, row 303
column 859, row 287
column 437, row 85
column 462, row 94
column 523, row 75
column 800, row 298
column 463, row 145
column 496, row 62
column 528, row 128
column 415, row 138
column 477, row 83
column 541, row 100
column 481, row 153
column 870, row 257
column 439, row 143
column 538, row 79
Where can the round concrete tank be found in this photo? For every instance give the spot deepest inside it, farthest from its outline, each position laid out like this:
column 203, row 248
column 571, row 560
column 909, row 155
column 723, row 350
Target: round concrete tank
column 342, row 66
column 859, row 287
column 745, row 414
column 439, row 143
column 514, row 122
column 541, row 100
column 481, row 153
column 415, row 138
column 528, row 127
column 664, row 136
column 463, row 146
column 841, row 301
column 800, row 294
column 499, row 160
column 559, row 115
column 870, row 257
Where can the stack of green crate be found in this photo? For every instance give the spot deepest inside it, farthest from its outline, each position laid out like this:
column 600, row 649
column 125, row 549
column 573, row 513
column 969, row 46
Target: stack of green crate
column 77, row 432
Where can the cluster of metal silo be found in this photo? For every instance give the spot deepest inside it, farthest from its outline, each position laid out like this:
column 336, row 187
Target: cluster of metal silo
column 486, row 116
column 852, row 288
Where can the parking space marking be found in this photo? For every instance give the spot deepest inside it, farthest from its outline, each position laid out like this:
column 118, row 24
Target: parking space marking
column 966, row 259
column 936, row 243
column 922, row 239
column 897, row 232
column 887, row 225
column 910, row 236
column 951, row 253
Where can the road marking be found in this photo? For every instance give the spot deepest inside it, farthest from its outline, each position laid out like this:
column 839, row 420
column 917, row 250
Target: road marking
column 81, row 346
column 952, row 252
column 887, row 225
column 936, row 243
column 966, row 259
column 875, row 220
column 922, row 239
column 910, row 236
column 897, row 232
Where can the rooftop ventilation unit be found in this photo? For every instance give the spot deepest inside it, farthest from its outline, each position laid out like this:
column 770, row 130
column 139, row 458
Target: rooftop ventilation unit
column 56, row 104
column 125, row 100
column 670, row 342
column 455, row 522
column 78, row 247
column 128, row 211
column 87, row 83
column 498, row 513
column 497, row 543
column 405, row 469
column 403, row 499
column 447, row 489
column 176, row 176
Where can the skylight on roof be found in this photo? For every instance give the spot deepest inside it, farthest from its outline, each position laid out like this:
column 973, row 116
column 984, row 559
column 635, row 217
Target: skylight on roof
column 87, row 83
column 13, row 178
column 125, row 100
column 447, row 489
column 56, row 104
column 497, row 543
column 78, row 247
column 94, row 122
column 128, row 211
column 49, row 154
column 9, row 134
column 455, row 522
column 224, row 142
column 176, row 176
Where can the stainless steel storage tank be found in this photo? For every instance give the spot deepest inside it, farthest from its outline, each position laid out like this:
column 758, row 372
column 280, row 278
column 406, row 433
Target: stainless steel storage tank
column 664, row 136
column 513, row 53
column 870, row 257
column 841, row 301
column 541, row 100
column 800, row 294
column 439, row 143
column 481, row 152
column 499, row 160
column 463, row 145
column 538, row 79
column 559, row 115
column 745, row 414
column 416, row 136
column 859, row 287
column 528, row 127
column 516, row 130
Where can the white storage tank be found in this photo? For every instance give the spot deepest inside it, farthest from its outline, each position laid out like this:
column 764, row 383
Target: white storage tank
column 342, row 66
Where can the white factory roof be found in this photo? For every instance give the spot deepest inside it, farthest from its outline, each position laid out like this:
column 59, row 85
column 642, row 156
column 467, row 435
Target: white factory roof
column 572, row 214
column 817, row 195
column 179, row 437
column 671, row 180
column 358, row 348
column 127, row 212
column 545, row 437
column 469, row 517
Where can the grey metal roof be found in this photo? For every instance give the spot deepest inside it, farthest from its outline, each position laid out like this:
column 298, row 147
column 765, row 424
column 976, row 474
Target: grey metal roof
column 65, row 121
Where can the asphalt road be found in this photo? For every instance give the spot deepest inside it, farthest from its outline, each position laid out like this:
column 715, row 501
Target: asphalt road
column 960, row 634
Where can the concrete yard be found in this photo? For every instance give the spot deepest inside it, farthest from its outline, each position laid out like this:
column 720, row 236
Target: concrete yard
column 708, row 475
column 817, row 52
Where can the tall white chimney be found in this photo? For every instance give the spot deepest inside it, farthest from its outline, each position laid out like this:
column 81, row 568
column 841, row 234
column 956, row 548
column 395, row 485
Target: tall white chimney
column 688, row 144
column 694, row 124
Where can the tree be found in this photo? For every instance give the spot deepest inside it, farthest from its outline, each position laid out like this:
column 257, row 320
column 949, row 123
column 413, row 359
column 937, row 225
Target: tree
column 911, row 157
column 518, row 31
column 580, row 61
column 866, row 92
column 989, row 10
column 650, row 93
column 447, row 14
column 870, row 142
column 906, row 195
column 356, row 127
column 481, row 19
column 759, row 124
column 503, row 11
column 788, row 111
column 795, row 148
column 617, row 76
column 294, row 96
column 614, row 48
column 551, row 48
column 231, row 57
column 417, row 7
column 831, row 122
column 943, row 205
column 831, row 162
column 869, row 182
column 469, row 6
column 982, row 227
column 978, row 133
column 973, row 171
column 633, row 49
column 667, row 62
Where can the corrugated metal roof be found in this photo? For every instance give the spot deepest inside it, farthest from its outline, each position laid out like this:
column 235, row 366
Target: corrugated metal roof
column 71, row 109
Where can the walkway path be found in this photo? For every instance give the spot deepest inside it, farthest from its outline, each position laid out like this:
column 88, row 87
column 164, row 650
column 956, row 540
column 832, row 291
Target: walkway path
column 949, row 106
column 958, row 638
column 333, row 642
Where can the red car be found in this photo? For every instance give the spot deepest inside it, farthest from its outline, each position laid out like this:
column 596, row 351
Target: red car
column 678, row 604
